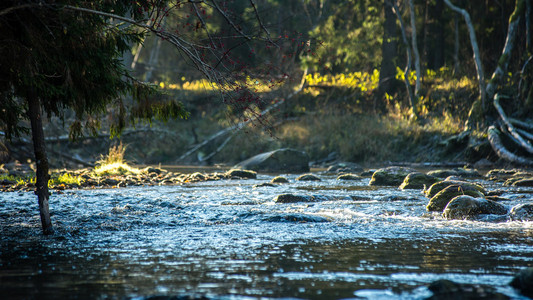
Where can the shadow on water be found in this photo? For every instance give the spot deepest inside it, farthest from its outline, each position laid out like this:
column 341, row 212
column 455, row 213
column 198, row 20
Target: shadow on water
column 229, row 240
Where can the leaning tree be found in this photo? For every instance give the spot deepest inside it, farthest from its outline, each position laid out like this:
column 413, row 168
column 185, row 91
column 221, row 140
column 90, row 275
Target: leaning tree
column 59, row 55
column 495, row 90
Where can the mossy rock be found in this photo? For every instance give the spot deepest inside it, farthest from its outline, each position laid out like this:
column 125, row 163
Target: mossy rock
column 290, row 198
column 390, row 176
column 418, row 180
column 308, row 177
column 279, row 179
column 439, row 186
column 241, row 174
column 349, row 177
column 522, row 212
column 465, row 207
column 441, row 199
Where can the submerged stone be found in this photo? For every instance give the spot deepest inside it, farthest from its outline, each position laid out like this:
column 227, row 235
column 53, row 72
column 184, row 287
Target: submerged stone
column 299, row 218
column 390, row 176
column 522, row 212
column 290, row 198
column 418, row 180
column 281, row 160
column 463, row 207
column 442, row 198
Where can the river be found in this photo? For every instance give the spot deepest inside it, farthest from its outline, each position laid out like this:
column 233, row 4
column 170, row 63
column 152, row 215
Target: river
column 228, row 240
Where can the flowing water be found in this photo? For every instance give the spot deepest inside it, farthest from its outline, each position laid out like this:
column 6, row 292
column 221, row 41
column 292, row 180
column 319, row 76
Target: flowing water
column 229, row 240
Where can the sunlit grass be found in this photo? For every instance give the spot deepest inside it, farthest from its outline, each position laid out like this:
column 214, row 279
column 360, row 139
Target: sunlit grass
column 254, row 84
column 114, row 164
column 65, row 178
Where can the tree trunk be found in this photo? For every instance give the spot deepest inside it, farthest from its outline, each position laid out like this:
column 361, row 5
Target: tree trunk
column 387, row 72
column 41, row 160
column 412, row 98
column 475, row 49
column 415, row 47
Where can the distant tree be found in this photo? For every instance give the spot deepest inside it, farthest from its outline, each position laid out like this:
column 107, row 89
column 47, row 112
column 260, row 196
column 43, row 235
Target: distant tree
column 387, row 71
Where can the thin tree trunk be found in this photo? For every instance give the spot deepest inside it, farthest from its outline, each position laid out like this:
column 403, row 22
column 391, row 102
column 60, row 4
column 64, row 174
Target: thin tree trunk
column 412, row 98
column 415, row 47
column 41, row 160
column 475, row 49
column 456, row 44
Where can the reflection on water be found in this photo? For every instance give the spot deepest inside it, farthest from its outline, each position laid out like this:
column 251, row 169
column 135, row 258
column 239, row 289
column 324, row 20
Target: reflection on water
column 219, row 239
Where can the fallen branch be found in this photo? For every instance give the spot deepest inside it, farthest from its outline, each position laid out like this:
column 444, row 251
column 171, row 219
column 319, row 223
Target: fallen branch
column 518, row 138
column 501, row 151
column 240, row 125
column 522, row 124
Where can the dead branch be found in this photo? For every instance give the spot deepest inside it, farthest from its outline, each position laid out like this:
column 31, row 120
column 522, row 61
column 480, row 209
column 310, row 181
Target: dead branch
column 475, row 48
column 523, row 143
column 501, row 151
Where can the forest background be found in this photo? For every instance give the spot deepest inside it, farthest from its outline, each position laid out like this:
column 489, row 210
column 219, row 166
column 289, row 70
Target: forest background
column 331, row 83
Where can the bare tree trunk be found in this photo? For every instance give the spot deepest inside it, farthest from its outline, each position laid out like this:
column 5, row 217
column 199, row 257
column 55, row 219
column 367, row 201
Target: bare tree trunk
column 503, row 62
column 475, row 49
column 41, row 160
column 415, row 47
column 412, row 98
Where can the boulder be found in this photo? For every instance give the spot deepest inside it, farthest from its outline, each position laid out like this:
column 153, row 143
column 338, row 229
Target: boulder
column 279, row 179
column 281, row 160
column 522, row 212
column 290, row 198
column 418, row 180
column 462, row 207
column 348, row 176
column 441, row 199
column 308, row 177
column 241, row 174
column 390, row 176
column 439, row 186
column 523, row 282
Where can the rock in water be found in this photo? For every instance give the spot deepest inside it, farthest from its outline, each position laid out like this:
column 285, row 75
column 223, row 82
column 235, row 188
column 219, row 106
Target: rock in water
column 439, row 186
column 290, row 198
column 390, row 176
column 524, row 282
column 308, row 177
column 281, row 160
column 522, row 212
column 462, row 207
column 441, row 199
column 241, row 174
column 418, row 180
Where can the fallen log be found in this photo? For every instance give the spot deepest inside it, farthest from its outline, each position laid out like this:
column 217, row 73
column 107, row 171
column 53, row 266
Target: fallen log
column 501, row 151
